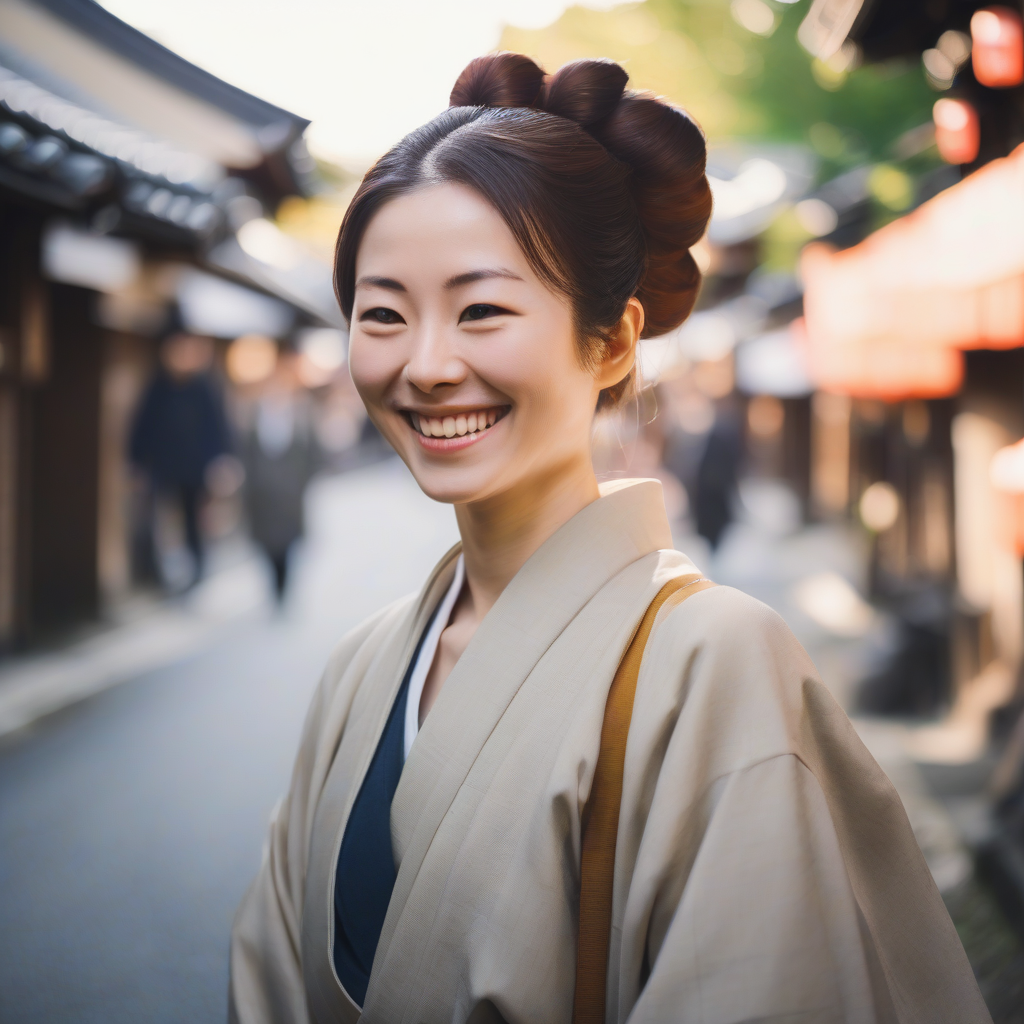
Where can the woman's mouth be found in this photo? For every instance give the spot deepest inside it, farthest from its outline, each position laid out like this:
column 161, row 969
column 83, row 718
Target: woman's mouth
column 455, row 430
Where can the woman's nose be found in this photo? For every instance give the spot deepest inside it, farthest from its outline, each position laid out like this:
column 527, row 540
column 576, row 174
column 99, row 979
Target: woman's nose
column 434, row 360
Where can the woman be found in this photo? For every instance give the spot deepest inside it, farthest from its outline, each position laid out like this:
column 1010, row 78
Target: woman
column 498, row 268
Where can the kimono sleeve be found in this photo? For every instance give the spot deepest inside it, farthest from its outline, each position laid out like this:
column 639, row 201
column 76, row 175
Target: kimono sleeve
column 777, row 878
column 767, row 928
column 266, row 984
column 266, row 973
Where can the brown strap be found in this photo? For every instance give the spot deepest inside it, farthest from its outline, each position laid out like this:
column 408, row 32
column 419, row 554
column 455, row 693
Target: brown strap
column 601, row 815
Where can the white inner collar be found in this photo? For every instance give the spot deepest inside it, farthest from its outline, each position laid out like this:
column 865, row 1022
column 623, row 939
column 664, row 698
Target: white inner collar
column 426, row 656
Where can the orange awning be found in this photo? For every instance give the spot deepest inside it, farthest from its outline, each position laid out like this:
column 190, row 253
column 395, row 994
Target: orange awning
column 879, row 369
column 885, row 317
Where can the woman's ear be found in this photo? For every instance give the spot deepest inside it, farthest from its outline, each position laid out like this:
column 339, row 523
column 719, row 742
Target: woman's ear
column 620, row 352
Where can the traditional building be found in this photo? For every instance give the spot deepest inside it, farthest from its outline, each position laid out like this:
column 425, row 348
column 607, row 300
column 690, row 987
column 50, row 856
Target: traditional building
column 129, row 178
column 927, row 316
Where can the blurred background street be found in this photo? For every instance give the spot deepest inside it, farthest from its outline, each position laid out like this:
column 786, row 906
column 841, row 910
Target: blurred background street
column 194, row 508
column 131, row 823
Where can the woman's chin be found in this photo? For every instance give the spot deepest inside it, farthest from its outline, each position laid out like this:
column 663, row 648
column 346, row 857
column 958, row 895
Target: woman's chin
column 449, row 488
column 466, row 478
column 458, row 485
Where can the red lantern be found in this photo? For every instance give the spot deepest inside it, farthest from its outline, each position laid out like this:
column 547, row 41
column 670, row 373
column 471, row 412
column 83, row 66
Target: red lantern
column 956, row 131
column 997, row 52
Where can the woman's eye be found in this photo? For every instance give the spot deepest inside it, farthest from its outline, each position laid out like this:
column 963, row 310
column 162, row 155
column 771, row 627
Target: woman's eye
column 480, row 311
column 381, row 315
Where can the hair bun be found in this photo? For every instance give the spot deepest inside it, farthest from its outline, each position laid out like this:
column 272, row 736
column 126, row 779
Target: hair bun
column 668, row 155
column 585, row 91
column 498, row 80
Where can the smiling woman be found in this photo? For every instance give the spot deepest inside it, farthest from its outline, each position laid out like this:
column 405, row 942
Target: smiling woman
column 468, row 837
column 467, row 360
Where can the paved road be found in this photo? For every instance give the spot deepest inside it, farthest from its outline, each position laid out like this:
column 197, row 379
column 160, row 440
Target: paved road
column 131, row 824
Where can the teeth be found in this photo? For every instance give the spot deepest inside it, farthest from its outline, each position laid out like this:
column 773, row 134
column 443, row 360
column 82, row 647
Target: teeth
column 455, row 426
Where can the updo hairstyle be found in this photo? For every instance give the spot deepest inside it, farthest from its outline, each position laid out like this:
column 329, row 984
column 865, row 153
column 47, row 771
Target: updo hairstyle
column 603, row 188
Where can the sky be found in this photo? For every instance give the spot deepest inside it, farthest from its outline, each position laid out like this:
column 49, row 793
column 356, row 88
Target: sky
column 365, row 72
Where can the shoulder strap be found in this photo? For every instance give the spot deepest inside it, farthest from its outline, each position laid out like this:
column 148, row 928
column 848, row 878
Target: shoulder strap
column 601, row 814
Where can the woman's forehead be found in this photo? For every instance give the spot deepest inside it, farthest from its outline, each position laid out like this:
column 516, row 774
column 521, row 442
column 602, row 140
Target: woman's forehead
column 447, row 228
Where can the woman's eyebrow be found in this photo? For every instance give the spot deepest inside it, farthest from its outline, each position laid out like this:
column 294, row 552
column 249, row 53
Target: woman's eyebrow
column 382, row 282
column 479, row 275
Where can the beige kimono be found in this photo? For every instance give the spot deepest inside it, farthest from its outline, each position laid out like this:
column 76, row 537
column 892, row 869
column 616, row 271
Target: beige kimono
column 765, row 870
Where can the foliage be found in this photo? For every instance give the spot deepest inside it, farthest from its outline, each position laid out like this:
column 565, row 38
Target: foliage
column 741, row 84
column 315, row 221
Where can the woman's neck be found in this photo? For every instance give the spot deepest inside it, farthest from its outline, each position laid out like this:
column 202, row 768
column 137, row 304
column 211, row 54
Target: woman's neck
column 501, row 533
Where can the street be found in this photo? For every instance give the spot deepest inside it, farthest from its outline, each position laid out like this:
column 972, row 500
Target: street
column 131, row 824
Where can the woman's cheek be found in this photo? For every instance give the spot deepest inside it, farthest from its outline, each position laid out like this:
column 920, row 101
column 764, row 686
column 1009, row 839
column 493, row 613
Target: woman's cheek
column 520, row 364
column 369, row 364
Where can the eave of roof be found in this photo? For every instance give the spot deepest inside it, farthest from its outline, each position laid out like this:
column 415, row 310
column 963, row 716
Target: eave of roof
column 89, row 18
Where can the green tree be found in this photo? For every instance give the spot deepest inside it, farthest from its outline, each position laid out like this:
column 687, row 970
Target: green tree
column 740, row 83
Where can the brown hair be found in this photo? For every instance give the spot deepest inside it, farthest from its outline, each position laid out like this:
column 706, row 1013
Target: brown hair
column 604, row 189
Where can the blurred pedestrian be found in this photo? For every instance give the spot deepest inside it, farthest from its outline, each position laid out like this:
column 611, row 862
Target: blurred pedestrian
column 718, row 476
column 280, row 453
column 179, row 430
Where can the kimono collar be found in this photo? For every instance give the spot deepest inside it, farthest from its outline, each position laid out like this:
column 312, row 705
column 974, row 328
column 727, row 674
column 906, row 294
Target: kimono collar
column 625, row 523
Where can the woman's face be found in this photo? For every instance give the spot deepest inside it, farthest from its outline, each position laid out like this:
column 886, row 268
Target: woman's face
column 465, row 359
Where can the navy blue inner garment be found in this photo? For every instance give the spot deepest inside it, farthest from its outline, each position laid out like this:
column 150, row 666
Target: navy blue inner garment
column 365, row 875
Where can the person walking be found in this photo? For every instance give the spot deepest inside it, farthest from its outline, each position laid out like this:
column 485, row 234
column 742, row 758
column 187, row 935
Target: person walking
column 179, row 429
column 717, row 477
column 280, row 454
